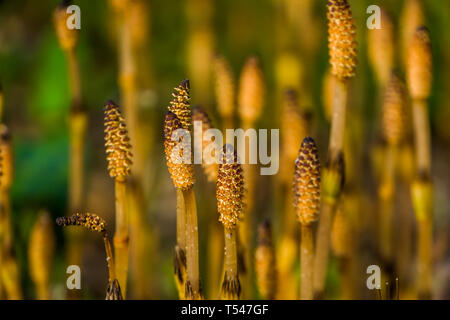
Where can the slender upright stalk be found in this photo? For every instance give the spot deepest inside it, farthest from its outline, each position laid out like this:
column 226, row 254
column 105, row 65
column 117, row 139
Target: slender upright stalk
column 230, row 196
column 178, row 123
column 118, row 155
column 342, row 51
column 420, row 75
column 192, row 266
column 121, row 236
column 68, row 40
column 306, row 263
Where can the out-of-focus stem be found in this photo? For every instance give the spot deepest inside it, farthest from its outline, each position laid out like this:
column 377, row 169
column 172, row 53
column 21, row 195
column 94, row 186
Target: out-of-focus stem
column 192, row 265
column 423, row 195
column 338, row 119
column 74, row 79
column 422, row 136
column 386, row 193
column 425, row 229
column 121, row 237
column 328, row 207
column 306, row 263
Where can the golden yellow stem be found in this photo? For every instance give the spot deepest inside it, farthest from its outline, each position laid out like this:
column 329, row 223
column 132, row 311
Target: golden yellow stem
column 338, row 119
column 181, row 220
column 322, row 247
column 215, row 258
column 78, row 125
column 42, row 291
column 121, row 237
column 109, row 258
column 230, row 258
column 306, row 263
column 425, row 228
column 192, row 264
column 422, row 136
column 328, row 208
column 386, row 193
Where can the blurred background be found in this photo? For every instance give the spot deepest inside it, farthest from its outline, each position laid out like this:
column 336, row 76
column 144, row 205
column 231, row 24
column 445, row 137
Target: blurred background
column 176, row 40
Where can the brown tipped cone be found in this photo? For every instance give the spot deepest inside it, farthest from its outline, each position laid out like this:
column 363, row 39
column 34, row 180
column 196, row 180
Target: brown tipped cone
column 419, row 72
column 224, row 87
column 230, row 188
column 209, row 164
column 381, row 49
column 307, row 183
column 89, row 221
column 180, row 104
column 40, row 254
column 181, row 172
column 251, row 92
column 117, row 143
column 394, row 111
column 67, row 38
column 265, row 266
column 341, row 39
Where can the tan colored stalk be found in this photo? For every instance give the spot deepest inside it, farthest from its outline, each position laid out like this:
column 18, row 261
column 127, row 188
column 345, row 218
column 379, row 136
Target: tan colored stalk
column 40, row 255
column 394, row 131
column 119, row 156
column 306, row 190
column 419, row 75
column 230, row 196
column 193, row 290
column 68, row 40
column 342, row 52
